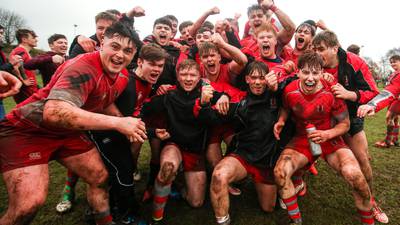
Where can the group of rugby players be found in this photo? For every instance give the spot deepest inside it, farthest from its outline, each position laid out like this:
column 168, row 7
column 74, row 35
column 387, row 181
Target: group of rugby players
column 185, row 96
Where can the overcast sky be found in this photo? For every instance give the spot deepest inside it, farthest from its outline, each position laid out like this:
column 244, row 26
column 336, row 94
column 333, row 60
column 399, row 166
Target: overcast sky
column 371, row 24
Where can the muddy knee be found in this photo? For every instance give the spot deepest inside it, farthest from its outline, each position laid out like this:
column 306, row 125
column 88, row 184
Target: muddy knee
column 26, row 212
column 280, row 177
column 219, row 180
column 98, row 178
column 357, row 180
column 167, row 172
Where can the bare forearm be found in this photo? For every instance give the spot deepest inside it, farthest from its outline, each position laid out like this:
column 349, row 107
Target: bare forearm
column 340, row 129
column 283, row 115
column 289, row 27
column 235, row 54
column 199, row 22
column 61, row 114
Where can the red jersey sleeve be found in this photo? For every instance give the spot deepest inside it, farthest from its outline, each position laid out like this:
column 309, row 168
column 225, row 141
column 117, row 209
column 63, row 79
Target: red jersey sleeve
column 394, row 86
column 339, row 110
column 74, row 85
column 285, row 99
column 365, row 83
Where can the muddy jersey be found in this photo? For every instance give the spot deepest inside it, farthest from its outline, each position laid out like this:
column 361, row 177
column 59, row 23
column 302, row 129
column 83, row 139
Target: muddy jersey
column 80, row 82
column 319, row 109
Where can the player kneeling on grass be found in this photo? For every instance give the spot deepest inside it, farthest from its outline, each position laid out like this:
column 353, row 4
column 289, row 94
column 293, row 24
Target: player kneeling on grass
column 254, row 150
column 185, row 138
column 310, row 102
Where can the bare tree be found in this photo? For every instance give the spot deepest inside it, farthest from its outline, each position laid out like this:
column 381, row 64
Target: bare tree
column 374, row 68
column 11, row 22
column 393, row 51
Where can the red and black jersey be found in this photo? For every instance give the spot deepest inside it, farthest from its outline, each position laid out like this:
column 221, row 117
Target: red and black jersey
column 43, row 63
column 76, row 49
column 319, row 109
column 25, row 91
column 271, row 63
column 131, row 100
column 253, row 118
column 80, row 82
column 223, row 82
column 178, row 106
column 168, row 76
column 353, row 73
column 394, row 84
column 390, row 93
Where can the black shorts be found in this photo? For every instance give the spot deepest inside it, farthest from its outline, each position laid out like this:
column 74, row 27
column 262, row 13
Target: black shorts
column 114, row 149
column 356, row 125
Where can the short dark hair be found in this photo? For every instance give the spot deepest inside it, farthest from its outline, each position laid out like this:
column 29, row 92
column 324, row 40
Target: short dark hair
column 55, row 37
column 252, row 8
column 24, row 33
column 121, row 30
column 187, row 64
column 328, row 37
column 163, row 20
column 171, row 17
column 207, row 47
column 204, row 29
column 1, row 27
column 105, row 16
column 310, row 59
column 184, row 24
column 152, row 52
column 354, row 49
column 208, row 24
column 394, row 58
column 310, row 24
column 114, row 12
column 257, row 66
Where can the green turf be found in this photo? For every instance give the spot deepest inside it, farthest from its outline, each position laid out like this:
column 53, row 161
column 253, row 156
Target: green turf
column 329, row 199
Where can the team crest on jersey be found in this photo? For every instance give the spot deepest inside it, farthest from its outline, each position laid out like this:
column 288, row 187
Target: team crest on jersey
column 320, row 108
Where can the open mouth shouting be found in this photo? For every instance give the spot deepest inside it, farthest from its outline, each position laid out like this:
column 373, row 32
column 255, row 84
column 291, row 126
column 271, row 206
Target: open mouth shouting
column 191, row 41
column 265, row 49
column 211, row 68
column 309, row 86
column 300, row 43
column 163, row 39
column 152, row 79
column 188, row 86
column 116, row 64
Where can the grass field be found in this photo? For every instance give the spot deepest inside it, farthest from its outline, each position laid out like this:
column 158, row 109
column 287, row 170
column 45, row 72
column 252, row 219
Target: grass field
column 328, row 202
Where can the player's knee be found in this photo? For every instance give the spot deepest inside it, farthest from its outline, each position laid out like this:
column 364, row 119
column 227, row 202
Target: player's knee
column 353, row 175
column 219, row 180
column 367, row 171
column 196, row 203
column 167, row 171
column 280, row 176
column 99, row 177
column 28, row 210
column 268, row 208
